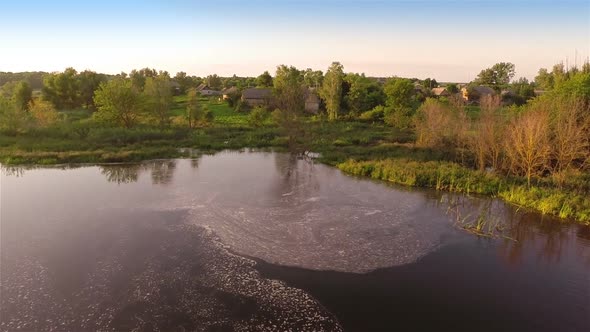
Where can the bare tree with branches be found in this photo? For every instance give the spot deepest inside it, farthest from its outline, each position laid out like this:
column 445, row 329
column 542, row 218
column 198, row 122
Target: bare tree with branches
column 527, row 143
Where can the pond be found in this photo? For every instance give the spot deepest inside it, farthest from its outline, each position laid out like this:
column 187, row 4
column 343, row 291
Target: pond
column 268, row 241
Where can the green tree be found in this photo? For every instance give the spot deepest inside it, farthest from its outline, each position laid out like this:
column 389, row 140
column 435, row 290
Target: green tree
column 264, row 80
column 498, row 76
column 544, row 79
column 185, row 82
column 400, row 102
column 313, row 78
column 523, row 90
column 196, row 114
column 289, row 92
column 89, row 81
column 62, row 89
column 331, row 90
column 138, row 77
column 363, row 93
column 399, row 92
column 158, row 95
column 452, row 88
column 258, row 116
column 23, row 94
column 429, row 83
column 214, row 82
column 286, row 78
column 13, row 120
column 119, row 102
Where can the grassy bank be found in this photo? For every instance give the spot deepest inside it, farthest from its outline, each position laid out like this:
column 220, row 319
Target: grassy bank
column 570, row 201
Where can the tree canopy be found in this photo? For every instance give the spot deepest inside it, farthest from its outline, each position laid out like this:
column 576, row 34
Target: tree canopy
column 331, row 90
column 119, row 102
column 264, row 80
column 497, row 76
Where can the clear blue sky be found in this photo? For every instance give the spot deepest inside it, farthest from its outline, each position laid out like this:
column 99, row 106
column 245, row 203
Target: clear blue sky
column 447, row 40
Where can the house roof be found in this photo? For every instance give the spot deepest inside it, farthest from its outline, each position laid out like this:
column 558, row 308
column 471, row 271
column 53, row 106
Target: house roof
column 256, row 93
column 440, row 91
column 484, row 90
column 229, row 90
column 203, row 86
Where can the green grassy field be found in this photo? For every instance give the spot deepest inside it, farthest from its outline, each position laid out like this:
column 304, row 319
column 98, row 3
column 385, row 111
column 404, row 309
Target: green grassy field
column 223, row 114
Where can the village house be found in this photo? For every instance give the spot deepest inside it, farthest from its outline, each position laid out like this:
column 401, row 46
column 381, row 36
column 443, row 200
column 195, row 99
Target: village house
column 205, row 90
column 473, row 94
column 440, row 92
column 256, row 96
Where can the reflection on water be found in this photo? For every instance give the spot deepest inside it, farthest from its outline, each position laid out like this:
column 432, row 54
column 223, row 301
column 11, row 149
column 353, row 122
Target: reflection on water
column 161, row 171
column 121, row 173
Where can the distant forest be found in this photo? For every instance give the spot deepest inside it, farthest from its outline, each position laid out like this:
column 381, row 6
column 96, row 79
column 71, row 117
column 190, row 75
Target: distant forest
column 34, row 78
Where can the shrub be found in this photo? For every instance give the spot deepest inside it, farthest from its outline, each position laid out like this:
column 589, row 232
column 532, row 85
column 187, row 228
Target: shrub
column 258, row 116
column 376, row 114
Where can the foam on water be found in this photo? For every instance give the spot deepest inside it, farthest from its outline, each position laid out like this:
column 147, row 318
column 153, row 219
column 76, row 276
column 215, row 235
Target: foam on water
column 293, row 212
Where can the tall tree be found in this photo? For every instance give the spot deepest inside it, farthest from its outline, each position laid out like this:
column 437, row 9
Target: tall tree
column 213, row 81
column 527, row 145
column 62, row 89
column 193, row 108
column 138, row 77
column 119, row 102
column 331, row 90
column 544, row 79
column 498, row 76
column 429, row 83
column 89, row 81
column 264, row 80
column 12, row 119
column 363, row 93
column 195, row 112
column 452, row 88
column 400, row 93
column 158, row 94
column 313, row 78
column 289, row 92
column 523, row 90
column 183, row 81
column 23, row 94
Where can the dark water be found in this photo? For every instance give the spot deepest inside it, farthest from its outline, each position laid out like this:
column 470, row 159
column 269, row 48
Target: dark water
column 267, row 242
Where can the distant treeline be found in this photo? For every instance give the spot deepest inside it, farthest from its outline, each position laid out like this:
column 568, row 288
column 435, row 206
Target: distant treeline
column 34, row 78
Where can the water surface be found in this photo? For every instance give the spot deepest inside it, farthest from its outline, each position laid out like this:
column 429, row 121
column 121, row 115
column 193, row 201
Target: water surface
column 202, row 244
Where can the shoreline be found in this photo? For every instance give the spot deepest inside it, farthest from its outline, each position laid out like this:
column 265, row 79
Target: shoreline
column 567, row 205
